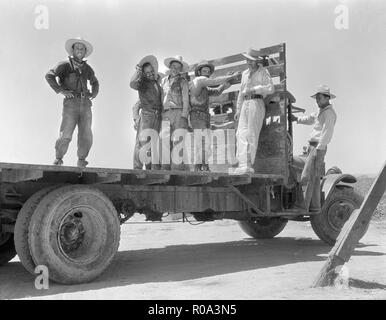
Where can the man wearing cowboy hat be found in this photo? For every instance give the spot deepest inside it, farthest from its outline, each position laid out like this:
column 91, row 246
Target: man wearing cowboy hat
column 146, row 80
column 200, row 92
column 321, row 135
column 256, row 84
column 175, row 99
column 74, row 75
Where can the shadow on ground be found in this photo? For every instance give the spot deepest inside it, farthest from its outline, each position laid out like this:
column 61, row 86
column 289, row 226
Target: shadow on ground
column 179, row 263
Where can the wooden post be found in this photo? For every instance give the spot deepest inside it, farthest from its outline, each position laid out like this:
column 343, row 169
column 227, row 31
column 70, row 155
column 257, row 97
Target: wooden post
column 351, row 232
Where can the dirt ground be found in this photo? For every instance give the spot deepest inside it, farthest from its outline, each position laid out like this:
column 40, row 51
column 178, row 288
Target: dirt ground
column 216, row 260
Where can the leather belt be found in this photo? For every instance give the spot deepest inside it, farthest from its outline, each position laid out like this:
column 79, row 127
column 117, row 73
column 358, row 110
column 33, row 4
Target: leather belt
column 252, row 96
column 80, row 94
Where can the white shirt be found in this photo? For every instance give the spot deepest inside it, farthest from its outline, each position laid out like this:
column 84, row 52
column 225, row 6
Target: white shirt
column 324, row 122
column 259, row 82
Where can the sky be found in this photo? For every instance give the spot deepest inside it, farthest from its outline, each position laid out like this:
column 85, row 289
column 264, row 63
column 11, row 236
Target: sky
column 350, row 60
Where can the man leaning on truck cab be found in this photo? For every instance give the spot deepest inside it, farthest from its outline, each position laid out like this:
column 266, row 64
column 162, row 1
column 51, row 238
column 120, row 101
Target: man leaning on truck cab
column 256, row 83
column 73, row 76
column 321, row 135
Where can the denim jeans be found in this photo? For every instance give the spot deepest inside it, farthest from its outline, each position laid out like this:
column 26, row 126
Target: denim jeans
column 148, row 120
column 76, row 112
column 311, row 175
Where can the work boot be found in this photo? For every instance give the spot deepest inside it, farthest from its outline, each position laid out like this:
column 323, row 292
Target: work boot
column 58, row 162
column 82, row 163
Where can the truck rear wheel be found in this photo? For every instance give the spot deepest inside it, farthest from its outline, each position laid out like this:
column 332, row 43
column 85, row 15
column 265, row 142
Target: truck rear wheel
column 21, row 228
column 75, row 233
column 263, row 228
column 328, row 224
column 7, row 248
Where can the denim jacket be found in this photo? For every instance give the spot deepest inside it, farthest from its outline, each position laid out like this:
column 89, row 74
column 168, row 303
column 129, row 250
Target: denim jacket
column 73, row 80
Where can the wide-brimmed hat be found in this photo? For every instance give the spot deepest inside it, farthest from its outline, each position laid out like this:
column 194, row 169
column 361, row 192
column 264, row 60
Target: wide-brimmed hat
column 150, row 59
column 179, row 59
column 324, row 90
column 253, row 54
column 70, row 42
column 202, row 64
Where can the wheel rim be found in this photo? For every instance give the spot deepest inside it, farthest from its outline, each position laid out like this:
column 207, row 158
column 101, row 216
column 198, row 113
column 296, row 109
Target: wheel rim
column 4, row 237
column 338, row 213
column 77, row 232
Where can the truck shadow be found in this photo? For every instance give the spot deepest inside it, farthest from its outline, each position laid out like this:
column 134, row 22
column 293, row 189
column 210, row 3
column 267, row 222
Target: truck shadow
column 178, row 263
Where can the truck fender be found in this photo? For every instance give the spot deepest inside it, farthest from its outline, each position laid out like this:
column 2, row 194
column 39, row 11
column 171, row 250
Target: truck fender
column 331, row 180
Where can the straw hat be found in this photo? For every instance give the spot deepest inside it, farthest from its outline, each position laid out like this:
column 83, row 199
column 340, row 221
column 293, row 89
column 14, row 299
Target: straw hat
column 179, row 59
column 150, row 59
column 253, row 54
column 202, row 64
column 324, row 90
column 70, row 42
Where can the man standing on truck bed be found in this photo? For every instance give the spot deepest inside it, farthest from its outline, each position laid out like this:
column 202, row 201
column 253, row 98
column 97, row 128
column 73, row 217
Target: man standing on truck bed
column 256, row 83
column 175, row 99
column 73, row 76
column 324, row 122
column 199, row 112
column 146, row 81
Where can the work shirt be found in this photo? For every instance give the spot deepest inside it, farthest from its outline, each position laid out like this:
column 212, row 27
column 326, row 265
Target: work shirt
column 200, row 92
column 258, row 82
column 324, row 122
column 149, row 91
column 175, row 94
column 71, row 79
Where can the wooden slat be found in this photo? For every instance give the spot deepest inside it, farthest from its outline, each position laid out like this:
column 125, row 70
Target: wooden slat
column 235, row 180
column 152, row 178
column 18, row 175
column 108, row 177
column 274, row 70
column 239, row 57
column 191, row 181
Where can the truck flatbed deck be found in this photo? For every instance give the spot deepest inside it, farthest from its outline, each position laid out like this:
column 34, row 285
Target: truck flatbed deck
column 17, row 172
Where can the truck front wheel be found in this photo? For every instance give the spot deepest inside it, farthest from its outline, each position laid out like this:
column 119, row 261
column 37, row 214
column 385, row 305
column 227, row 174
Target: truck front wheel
column 74, row 232
column 328, row 224
column 263, row 228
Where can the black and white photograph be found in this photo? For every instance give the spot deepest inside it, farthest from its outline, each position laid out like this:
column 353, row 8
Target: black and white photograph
column 192, row 155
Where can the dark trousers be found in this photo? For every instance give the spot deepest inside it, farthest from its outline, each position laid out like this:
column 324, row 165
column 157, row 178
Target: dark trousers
column 76, row 112
column 148, row 120
column 311, row 175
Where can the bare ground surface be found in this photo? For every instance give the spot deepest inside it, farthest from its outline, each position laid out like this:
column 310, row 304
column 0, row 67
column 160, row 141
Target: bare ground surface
column 216, row 261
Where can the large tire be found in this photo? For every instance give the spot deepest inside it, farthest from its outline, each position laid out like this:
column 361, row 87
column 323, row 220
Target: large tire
column 263, row 228
column 75, row 233
column 21, row 228
column 7, row 248
column 328, row 224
